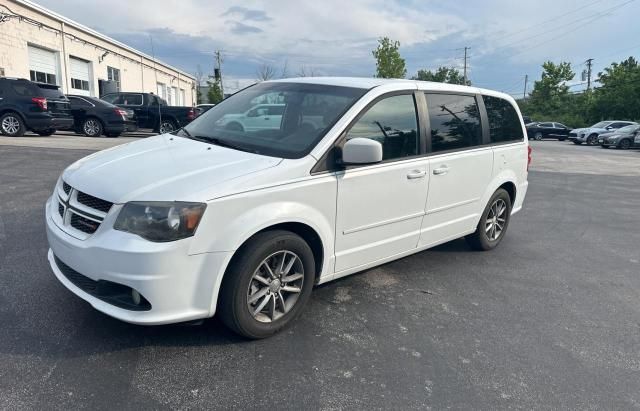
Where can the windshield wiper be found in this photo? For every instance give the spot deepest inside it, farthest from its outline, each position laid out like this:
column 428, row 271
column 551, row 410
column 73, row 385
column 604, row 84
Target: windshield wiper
column 223, row 143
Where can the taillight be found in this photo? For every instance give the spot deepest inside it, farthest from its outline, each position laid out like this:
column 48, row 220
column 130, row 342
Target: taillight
column 41, row 102
column 191, row 114
column 529, row 150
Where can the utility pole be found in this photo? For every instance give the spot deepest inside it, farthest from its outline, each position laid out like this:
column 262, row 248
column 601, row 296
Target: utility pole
column 465, row 64
column 526, row 80
column 589, row 62
column 217, row 71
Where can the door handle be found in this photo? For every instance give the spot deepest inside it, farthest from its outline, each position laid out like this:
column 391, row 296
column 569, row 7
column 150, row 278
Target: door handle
column 441, row 171
column 416, row 174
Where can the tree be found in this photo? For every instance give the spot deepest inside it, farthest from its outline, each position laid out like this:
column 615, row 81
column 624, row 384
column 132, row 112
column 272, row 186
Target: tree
column 306, row 71
column 549, row 92
column 441, row 75
column 199, row 79
column 284, row 73
column 215, row 91
column 265, row 72
column 617, row 97
column 389, row 63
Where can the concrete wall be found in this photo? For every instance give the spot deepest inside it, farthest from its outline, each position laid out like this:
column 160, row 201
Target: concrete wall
column 136, row 71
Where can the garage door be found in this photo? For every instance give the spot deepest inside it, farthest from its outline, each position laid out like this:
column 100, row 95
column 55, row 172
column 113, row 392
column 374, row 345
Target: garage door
column 43, row 65
column 80, row 76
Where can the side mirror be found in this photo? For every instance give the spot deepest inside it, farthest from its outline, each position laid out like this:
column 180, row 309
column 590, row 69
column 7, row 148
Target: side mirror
column 361, row 151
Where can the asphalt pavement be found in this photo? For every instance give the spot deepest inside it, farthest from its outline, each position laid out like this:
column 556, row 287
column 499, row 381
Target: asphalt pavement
column 548, row 320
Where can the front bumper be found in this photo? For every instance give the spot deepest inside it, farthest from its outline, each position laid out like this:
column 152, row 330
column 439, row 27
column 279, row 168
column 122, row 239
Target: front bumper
column 178, row 286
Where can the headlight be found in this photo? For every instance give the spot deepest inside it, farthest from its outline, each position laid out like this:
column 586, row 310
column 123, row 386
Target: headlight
column 160, row 221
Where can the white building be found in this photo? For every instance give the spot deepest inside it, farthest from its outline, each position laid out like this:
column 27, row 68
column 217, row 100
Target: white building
column 41, row 45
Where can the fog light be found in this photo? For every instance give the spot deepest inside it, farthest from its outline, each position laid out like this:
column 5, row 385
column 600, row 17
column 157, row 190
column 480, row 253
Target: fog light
column 135, row 296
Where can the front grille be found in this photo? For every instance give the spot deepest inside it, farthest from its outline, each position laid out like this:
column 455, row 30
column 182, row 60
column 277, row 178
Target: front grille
column 115, row 294
column 94, row 202
column 83, row 224
column 573, row 135
column 66, row 188
column 61, row 210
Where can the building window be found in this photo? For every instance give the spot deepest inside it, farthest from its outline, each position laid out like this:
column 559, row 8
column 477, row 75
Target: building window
column 183, row 100
column 162, row 90
column 79, row 84
column 41, row 77
column 113, row 74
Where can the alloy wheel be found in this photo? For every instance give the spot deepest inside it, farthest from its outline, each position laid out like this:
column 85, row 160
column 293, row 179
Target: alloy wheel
column 166, row 127
column 10, row 125
column 496, row 220
column 91, row 127
column 538, row 137
column 625, row 144
column 275, row 286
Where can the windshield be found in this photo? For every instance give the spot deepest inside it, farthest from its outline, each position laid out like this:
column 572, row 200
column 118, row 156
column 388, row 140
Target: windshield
column 601, row 124
column 275, row 119
column 628, row 129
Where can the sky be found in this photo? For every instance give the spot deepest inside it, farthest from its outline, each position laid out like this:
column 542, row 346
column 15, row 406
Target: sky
column 508, row 39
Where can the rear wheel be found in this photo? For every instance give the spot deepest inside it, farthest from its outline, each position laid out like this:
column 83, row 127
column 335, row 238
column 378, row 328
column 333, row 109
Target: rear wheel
column 113, row 135
column 46, row 132
column 267, row 284
column 493, row 223
column 167, row 126
column 538, row 136
column 624, row 144
column 92, row 127
column 11, row 125
column 562, row 138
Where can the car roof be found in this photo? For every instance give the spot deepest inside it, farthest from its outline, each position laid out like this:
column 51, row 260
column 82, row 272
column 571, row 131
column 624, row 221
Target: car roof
column 372, row 82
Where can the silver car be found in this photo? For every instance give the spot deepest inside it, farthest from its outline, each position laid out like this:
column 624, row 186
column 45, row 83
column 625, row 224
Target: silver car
column 590, row 135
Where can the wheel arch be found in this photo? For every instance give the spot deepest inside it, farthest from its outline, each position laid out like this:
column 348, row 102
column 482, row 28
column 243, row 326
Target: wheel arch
column 13, row 110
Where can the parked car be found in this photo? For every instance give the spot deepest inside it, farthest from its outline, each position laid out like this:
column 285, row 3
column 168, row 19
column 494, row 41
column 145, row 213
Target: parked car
column 590, row 135
column 527, row 120
column 152, row 112
column 622, row 138
column 29, row 106
column 243, row 223
column 258, row 117
column 94, row 117
column 538, row 131
column 203, row 108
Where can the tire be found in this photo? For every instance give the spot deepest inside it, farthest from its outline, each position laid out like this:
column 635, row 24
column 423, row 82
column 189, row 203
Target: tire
column 234, row 127
column 576, row 142
column 112, row 135
column 603, row 146
column 11, row 125
column 167, row 126
column 538, row 136
column 482, row 241
column 92, row 127
column 46, row 133
column 624, row 144
column 562, row 138
column 592, row 140
column 266, row 315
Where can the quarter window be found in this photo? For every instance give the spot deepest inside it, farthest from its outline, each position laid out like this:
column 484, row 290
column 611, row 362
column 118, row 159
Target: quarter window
column 455, row 121
column 504, row 123
column 392, row 122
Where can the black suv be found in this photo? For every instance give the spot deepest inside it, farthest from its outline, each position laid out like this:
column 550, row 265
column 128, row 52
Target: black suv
column 38, row 107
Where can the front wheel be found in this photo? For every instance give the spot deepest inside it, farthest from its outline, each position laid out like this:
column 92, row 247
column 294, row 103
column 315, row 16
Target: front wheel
column 592, row 140
column 267, row 284
column 167, row 126
column 493, row 223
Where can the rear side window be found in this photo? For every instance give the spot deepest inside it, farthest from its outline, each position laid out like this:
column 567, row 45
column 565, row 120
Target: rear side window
column 24, row 89
column 504, row 123
column 132, row 99
column 455, row 121
column 78, row 102
column 112, row 98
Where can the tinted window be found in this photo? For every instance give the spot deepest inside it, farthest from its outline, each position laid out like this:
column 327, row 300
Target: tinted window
column 455, row 121
column 559, row 125
column 112, row 98
column 78, row 102
column 132, row 99
column 393, row 123
column 545, row 125
column 504, row 123
column 25, row 89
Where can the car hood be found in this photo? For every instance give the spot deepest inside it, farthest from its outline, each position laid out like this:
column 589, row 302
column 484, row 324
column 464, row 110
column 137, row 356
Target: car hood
column 163, row 168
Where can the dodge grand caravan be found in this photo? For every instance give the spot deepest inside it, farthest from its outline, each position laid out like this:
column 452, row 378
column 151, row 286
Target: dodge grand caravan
column 242, row 223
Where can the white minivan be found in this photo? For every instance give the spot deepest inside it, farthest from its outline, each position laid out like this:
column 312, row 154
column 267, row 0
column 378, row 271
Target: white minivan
column 216, row 219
